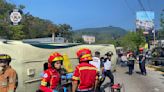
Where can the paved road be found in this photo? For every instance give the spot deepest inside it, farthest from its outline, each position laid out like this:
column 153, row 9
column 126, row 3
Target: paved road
column 153, row 82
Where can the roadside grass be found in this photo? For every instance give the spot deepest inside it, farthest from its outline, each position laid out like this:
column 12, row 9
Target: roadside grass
column 157, row 68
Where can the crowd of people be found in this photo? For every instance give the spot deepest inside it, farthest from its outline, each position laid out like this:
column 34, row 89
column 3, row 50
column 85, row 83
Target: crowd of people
column 129, row 59
column 88, row 75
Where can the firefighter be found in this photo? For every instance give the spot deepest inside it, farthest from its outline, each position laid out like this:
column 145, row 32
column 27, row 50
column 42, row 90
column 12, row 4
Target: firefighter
column 51, row 76
column 7, row 74
column 131, row 61
column 141, row 60
column 85, row 77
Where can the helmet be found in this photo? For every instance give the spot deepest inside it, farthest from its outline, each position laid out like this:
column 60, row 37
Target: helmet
column 84, row 54
column 110, row 53
column 130, row 53
column 141, row 49
column 55, row 57
column 5, row 58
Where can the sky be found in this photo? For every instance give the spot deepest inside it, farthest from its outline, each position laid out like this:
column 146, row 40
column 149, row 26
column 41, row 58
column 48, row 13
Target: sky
column 92, row 13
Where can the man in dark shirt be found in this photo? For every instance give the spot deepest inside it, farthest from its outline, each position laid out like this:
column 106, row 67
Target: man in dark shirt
column 141, row 59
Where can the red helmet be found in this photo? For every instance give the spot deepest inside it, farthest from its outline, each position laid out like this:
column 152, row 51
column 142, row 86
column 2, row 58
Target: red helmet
column 84, row 54
column 141, row 49
column 55, row 57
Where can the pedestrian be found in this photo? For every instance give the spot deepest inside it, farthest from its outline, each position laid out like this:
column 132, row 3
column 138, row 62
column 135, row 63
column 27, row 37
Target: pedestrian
column 141, row 60
column 51, row 76
column 99, row 65
column 131, row 61
column 85, row 76
column 108, row 67
column 96, row 61
column 124, row 60
column 7, row 74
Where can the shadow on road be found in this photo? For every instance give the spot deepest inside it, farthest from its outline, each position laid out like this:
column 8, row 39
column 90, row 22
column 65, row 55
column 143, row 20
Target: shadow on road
column 106, row 85
column 127, row 73
column 138, row 72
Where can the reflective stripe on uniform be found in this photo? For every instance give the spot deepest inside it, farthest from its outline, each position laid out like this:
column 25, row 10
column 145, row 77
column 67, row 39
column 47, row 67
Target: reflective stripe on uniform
column 86, row 55
column 75, row 78
column 88, row 68
column 4, row 57
column 3, row 83
column 89, row 89
column 43, row 83
column 57, row 59
column 11, row 80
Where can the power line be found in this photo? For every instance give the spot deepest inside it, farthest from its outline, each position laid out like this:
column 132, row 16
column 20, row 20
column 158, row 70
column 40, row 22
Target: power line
column 143, row 8
column 148, row 1
column 127, row 4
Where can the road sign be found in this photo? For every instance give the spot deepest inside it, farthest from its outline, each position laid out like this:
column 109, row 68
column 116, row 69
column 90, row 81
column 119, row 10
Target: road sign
column 15, row 16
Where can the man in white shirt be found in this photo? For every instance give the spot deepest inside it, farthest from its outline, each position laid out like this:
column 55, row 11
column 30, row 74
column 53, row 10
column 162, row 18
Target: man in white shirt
column 96, row 60
column 108, row 66
column 97, row 63
column 124, row 59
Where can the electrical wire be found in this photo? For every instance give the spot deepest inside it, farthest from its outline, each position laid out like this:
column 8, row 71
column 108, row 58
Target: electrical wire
column 128, row 6
column 148, row 1
column 143, row 8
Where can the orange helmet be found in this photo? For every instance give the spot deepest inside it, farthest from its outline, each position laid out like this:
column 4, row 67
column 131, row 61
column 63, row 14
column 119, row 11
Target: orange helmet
column 55, row 57
column 84, row 54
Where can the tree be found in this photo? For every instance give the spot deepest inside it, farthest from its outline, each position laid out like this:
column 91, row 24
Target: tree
column 65, row 30
column 16, row 32
column 30, row 27
column 161, row 31
column 53, row 29
column 132, row 40
column 4, row 18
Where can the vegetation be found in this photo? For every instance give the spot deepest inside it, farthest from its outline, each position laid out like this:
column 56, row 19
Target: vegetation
column 132, row 40
column 161, row 31
column 102, row 34
column 30, row 27
column 35, row 27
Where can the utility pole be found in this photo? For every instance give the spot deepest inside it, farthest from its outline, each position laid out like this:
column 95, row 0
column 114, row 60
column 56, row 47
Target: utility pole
column 154, row 36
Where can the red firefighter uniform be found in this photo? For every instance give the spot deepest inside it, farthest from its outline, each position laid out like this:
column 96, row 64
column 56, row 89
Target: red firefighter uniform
column 51, row 77
column 50, row 80
column 85, row 72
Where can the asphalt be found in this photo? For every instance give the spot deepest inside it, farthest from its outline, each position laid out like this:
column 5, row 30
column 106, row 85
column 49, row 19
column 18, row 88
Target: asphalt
column 152, row 82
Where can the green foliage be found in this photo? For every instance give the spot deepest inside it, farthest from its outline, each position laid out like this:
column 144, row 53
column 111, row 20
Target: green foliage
column 31, row 27
column 104, row 35
column 16, row 32
column 161, row 31
column 132, row 40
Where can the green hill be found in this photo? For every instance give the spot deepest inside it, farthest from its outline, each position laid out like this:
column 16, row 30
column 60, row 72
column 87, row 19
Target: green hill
column 102, row 33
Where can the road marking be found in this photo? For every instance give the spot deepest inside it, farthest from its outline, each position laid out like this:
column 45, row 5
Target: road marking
column 156, row 90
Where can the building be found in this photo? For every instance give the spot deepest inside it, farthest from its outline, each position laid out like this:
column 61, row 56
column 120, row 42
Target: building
column 88, row 39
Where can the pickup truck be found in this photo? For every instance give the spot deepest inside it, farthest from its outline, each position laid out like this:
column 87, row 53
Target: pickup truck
column 158, row 56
